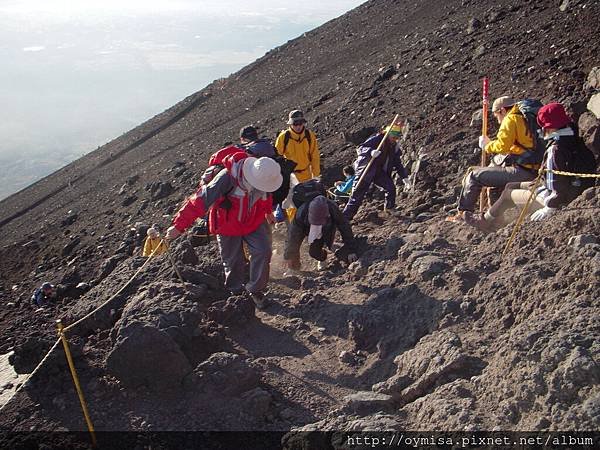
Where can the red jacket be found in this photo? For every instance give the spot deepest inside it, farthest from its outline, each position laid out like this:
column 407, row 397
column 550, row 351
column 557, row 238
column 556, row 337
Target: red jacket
column 233, row 210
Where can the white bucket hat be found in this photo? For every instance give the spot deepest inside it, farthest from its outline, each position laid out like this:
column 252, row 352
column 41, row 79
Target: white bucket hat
column 263, row 173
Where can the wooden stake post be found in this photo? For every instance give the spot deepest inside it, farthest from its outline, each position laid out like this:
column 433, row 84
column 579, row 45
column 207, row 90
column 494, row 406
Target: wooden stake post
column 484, row 128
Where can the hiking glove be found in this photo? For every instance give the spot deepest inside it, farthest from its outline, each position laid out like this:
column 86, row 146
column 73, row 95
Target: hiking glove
column 483, row 141
column 542, row 214
column 375, row 153
column 352, row 258
column 172, row 233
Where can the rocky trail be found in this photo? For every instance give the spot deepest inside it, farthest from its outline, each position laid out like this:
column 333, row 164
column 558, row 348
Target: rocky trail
column 432, row 329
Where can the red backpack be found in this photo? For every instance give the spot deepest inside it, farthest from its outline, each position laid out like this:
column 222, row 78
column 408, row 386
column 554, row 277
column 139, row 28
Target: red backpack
column 215, row 163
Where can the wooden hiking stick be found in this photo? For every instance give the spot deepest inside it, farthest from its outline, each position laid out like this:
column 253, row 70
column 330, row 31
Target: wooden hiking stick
column 484, row 195
column 372, row 159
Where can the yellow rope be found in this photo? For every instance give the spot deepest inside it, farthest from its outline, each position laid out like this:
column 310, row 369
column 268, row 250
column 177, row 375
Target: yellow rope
column 523, row 212
column 571, row 174
column 91, row 313
column 31, row 374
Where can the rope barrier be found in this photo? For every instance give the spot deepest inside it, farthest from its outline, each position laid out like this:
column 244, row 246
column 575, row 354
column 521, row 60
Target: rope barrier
column 31, row 374
column 63, row 338
column 173, row 263
column 532, row 195
column 571, row 174
column 94, row 311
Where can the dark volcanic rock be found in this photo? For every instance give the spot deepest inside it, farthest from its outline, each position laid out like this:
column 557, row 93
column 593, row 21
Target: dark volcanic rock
column 226, row 373
column 146, row 356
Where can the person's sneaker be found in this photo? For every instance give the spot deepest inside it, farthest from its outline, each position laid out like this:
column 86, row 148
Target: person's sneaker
column 259, row 299
column 321, row 266
column 477, row 220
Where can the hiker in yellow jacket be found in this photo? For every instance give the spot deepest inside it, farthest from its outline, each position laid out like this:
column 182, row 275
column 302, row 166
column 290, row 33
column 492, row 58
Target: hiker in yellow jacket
column 300, row 145
column 153, row 241
column 512, row 141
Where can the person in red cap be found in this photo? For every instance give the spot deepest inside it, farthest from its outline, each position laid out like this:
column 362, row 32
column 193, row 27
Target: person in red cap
column 555, row 191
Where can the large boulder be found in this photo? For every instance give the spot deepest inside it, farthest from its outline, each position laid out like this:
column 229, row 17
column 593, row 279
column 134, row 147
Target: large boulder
column 593, row 79
column 146, row 356
column 588, row 129
column 437, row 359
column 594, row 105
column 160, row 336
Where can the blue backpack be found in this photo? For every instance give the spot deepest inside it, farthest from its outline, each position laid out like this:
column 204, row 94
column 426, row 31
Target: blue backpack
column 529, row 109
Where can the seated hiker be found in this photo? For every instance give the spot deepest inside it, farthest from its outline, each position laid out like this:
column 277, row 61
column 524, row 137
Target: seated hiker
column 345, row 187
column 514, row 159
column 238, row 202
column 379, row 172
column 564, row 151
column 44, row 294
column 154, row 244
column 318, row 220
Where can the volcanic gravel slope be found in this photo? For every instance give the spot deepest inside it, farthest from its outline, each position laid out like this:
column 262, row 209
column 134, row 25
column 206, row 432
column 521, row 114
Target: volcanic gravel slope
column 432, row 329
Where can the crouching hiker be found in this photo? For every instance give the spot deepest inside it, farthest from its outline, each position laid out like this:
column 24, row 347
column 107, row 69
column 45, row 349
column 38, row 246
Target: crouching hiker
column 238, row 201
column 43, row 295
column 318, row 220
column 378, row 172
column 566, row 152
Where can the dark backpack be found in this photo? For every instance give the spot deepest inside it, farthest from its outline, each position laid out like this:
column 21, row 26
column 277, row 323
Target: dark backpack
column 287, row 136
column 305, row 192
column 287, row 167
column 199, row 235
column 529, row 109
column 582, row 161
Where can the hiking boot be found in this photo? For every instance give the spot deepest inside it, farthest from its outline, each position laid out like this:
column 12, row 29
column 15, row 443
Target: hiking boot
column 259, row 299
column 478, row 220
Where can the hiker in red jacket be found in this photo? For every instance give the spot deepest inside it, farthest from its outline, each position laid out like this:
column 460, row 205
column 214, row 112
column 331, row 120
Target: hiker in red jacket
column 238, row 201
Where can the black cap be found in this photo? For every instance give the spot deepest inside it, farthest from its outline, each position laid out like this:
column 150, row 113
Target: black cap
column 249, row 132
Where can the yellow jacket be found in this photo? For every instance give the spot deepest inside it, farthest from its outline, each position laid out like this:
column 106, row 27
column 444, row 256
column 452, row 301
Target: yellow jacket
column 154, row 243
column 306, row 157
column 513, row 137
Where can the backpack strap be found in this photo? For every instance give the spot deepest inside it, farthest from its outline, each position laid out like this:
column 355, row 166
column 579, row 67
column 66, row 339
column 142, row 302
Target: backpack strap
column 307, row 136
column 286, row 140
column 287, row 136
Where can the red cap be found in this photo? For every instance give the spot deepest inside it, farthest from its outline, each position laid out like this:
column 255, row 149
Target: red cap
column 553, row 115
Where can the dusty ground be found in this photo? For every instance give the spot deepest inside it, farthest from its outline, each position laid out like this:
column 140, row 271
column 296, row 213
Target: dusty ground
column 433, row 327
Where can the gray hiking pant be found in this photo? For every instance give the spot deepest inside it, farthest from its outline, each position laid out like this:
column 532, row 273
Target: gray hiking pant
column 493, row 176
column 514, row 194
column 259, row 245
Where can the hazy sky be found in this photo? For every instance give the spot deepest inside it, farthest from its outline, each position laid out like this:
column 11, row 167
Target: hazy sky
column 76, row 74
